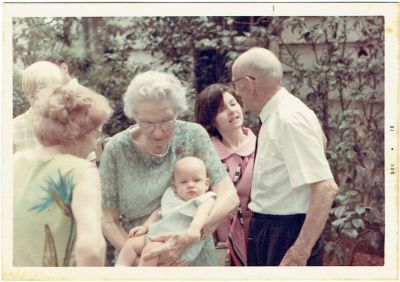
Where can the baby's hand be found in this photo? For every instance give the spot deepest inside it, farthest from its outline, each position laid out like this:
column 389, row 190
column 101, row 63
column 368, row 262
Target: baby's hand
column 137, row 231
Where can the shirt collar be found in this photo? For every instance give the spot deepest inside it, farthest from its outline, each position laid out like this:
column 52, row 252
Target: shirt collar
column 245, row 149
column 272, row 104
column 29, row 114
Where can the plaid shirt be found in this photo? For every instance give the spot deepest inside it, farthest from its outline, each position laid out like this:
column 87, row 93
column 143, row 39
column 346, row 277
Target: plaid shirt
column 23, row 134
column 24, row 137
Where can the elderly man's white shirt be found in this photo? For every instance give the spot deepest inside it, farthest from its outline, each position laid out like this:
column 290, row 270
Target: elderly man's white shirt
column 290, row 156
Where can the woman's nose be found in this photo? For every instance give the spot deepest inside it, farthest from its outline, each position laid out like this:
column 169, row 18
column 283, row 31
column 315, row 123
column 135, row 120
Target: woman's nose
column 231, row 110
column 157, row 131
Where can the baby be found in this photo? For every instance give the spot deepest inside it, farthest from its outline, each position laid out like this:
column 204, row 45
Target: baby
column 184, row 207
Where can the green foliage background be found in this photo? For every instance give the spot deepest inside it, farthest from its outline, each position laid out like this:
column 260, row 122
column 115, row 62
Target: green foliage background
column 344, row 86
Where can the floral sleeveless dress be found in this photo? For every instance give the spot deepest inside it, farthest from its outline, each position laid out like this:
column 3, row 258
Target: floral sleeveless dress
column 44, row 230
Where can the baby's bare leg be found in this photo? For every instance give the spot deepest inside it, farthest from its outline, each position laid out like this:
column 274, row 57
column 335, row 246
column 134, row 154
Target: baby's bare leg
column 130, row 251
column 148, row 248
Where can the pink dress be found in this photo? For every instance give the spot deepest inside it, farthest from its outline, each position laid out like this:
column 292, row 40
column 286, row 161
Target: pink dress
column 243, row 160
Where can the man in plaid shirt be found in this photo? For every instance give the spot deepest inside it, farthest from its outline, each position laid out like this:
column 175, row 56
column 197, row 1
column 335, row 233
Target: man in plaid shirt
column 23, row 134
column 35, row 78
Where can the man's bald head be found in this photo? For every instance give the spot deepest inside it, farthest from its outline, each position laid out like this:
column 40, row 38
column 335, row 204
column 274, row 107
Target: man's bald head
column 258, row 77
column 259, row 62
column 38, row 76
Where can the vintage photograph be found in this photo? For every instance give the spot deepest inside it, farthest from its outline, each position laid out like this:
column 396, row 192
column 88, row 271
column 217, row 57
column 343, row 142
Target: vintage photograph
column 257, row 140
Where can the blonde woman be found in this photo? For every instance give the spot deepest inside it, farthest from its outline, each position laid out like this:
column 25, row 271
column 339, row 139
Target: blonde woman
column 57, row 198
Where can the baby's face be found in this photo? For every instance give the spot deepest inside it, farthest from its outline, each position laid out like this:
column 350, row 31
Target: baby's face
column 190, row 182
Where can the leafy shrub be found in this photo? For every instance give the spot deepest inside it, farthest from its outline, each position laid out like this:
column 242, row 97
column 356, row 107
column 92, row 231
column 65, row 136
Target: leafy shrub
column 345, row 86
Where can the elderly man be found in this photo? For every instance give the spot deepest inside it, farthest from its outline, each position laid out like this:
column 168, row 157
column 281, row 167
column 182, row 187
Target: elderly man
column 293, row 187
column 59, row 61
column 35, row 77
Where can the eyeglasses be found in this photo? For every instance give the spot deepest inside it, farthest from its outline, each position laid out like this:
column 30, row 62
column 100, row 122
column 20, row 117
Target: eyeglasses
column 165, row 125
column 232, row 83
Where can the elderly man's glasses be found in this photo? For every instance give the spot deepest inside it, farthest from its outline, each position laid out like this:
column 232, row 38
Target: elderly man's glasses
column 165, row 125
column 232, row 83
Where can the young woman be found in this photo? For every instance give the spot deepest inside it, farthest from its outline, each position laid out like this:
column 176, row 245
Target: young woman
column 220, row 113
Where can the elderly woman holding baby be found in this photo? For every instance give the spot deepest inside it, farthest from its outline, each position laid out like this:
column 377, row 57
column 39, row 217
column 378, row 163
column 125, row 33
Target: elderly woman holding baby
column 136, row 167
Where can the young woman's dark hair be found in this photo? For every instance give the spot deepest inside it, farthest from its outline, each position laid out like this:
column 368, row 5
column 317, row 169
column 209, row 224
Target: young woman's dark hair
column 208, row 104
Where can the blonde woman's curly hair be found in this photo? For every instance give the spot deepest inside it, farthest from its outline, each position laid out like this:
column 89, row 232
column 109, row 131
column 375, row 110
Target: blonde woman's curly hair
column 66, row 114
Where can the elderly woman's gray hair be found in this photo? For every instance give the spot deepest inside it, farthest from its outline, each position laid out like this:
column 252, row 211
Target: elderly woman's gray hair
column 153, row 86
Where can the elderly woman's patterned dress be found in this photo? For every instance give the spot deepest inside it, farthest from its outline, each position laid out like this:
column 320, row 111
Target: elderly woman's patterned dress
column 134, row 182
